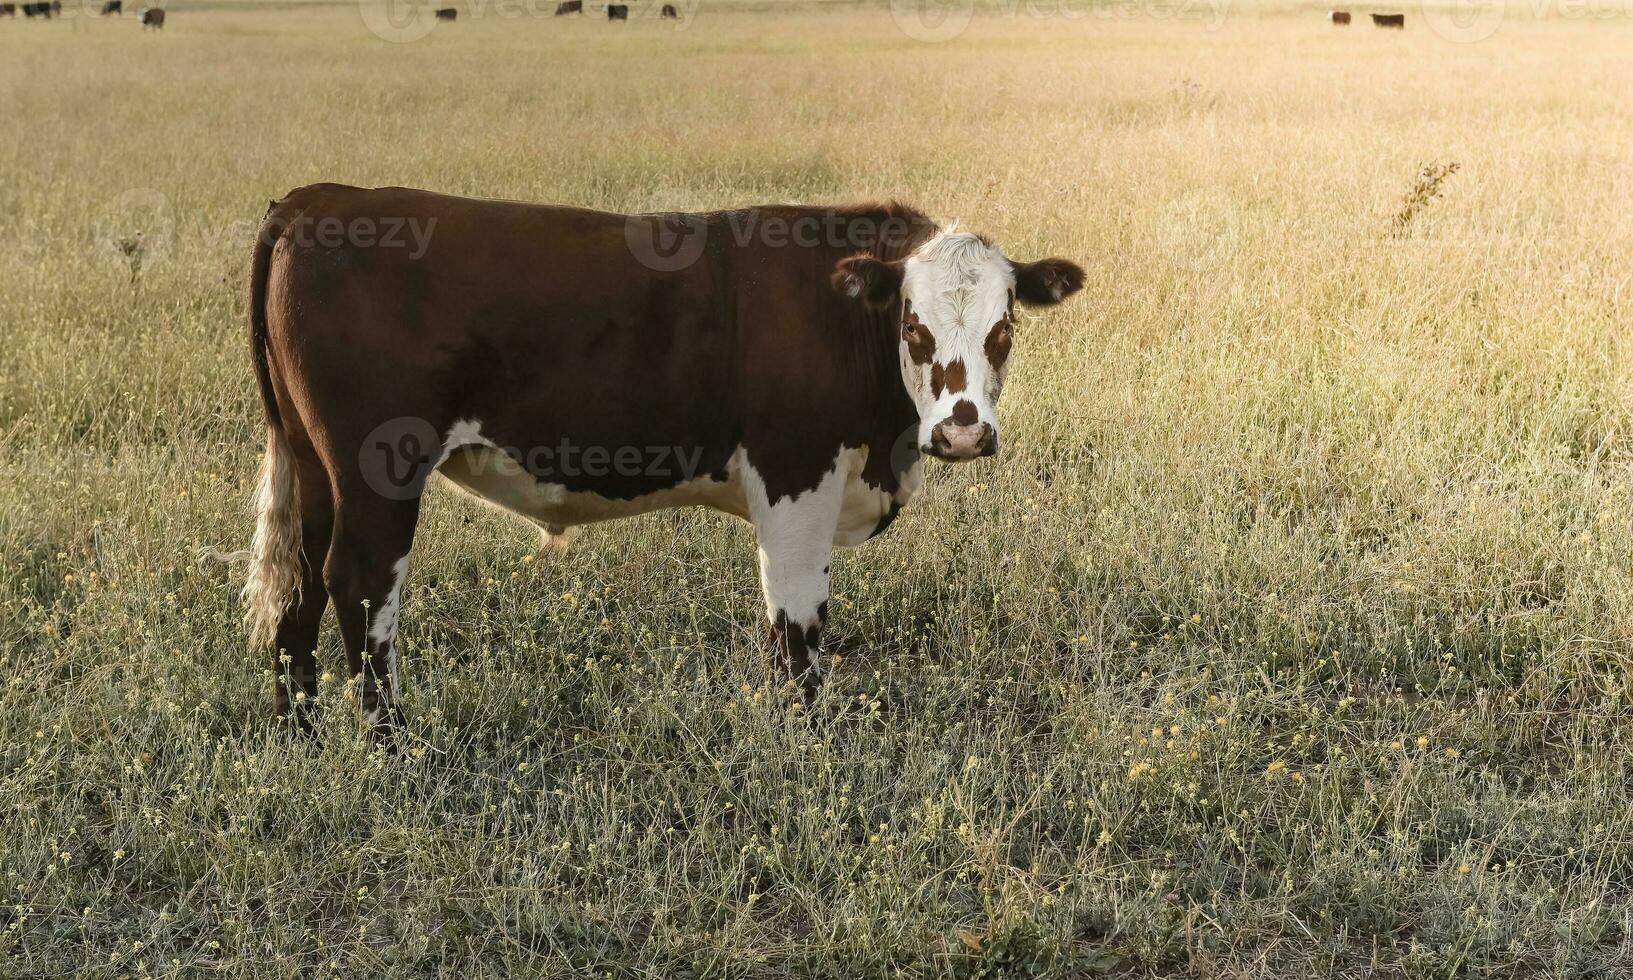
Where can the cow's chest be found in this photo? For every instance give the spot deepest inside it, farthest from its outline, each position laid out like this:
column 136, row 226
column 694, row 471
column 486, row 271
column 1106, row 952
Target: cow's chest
column 867, row 510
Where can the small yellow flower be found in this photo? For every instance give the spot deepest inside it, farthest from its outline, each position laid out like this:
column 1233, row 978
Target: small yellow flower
column 1464, row 868
column 1451, row 753
column 1423, row 743
column 1396, row 745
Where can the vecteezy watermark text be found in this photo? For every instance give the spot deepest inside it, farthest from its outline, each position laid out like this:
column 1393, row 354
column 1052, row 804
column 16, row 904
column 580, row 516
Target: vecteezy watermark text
column 399, row 231
column 671, row 242
column 399, row 455
column 140, row 228
column 935, row 21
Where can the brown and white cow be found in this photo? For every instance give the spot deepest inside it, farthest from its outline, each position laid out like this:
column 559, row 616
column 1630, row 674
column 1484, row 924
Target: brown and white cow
column 788, row 362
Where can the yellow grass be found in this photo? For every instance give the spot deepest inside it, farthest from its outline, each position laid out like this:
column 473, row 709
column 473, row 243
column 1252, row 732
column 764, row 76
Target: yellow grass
column 1289, row 636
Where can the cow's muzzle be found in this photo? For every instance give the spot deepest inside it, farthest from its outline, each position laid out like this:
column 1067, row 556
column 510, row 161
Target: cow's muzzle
column 954, row 442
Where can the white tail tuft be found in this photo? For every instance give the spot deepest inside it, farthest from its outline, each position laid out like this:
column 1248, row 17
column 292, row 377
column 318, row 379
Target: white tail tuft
column 274, row 568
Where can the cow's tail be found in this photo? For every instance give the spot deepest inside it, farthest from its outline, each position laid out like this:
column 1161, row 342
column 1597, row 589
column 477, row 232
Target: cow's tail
column 275, row 552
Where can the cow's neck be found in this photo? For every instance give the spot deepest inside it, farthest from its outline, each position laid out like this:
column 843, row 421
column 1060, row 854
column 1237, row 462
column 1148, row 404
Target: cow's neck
column 891, row 432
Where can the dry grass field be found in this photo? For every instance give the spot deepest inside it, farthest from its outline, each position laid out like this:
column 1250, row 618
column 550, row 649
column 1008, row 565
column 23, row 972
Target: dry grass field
column 1289, row 636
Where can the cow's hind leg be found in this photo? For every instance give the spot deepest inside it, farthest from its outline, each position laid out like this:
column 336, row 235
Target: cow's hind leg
column 796, row 545
column 367, row 562
column 295, row 643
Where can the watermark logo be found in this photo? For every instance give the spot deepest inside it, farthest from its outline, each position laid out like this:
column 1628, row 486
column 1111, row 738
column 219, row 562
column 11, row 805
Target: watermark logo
column 1465, row 21
column 905, row 452
column 135, row 231
column 1199, row 223
column 666, row 242
column 398, row 21
column 932, row 21
column 398, row 456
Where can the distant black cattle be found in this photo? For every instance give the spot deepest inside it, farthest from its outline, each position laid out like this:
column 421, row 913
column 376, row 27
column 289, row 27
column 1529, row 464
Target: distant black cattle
column 37, row 10
column 618, row 11
column 8, row 10
column 447, row 13
column 569, row 7
column 1340, row 17
column 154, row 18
column 113, row 7
column 1393, row 22
column 669, row 12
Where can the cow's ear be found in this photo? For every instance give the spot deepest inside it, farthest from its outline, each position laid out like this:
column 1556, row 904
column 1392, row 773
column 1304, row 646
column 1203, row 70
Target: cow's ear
column 874, row 281
column 1046, row 281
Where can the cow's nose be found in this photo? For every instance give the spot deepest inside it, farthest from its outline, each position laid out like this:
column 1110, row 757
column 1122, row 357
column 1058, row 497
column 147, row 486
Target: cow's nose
column 949, row 440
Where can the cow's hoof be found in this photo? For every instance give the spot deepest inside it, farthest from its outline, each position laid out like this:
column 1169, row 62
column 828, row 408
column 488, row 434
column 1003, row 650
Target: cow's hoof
column 810, row 687
column 385, row 729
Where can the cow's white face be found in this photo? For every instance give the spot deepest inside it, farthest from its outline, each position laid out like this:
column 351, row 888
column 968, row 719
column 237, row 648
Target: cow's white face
column 956, row 299
column 957, row 294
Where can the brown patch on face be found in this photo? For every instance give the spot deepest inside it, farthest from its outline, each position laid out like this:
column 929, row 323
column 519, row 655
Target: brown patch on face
column 950, row 378
column 921, row 347
column 999, row 339
column 964, row 413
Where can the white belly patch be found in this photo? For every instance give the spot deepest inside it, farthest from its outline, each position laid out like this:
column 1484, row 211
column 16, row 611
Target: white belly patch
column 472, row 463
column 499, row 480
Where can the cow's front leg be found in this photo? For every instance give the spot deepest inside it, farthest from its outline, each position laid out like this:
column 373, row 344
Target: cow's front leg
column 796, row 534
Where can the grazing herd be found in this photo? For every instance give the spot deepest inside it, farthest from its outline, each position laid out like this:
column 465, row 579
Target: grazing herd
column 33, row 10
column 153, row 17
column 148, row 17
column 1388, row 22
